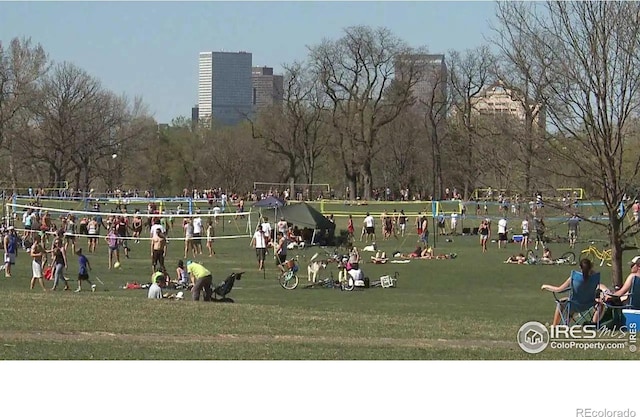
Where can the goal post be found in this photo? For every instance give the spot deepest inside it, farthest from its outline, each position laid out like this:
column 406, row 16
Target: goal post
column 577, row 193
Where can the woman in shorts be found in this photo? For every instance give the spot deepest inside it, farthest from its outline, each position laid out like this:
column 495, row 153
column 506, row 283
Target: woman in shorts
column 114, row 247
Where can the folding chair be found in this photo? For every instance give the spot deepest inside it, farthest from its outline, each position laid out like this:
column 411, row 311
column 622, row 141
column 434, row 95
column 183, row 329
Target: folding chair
column 632, row 303
column 581, row 307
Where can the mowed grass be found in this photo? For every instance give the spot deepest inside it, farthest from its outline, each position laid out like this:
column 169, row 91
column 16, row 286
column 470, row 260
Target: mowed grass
column 470, row 307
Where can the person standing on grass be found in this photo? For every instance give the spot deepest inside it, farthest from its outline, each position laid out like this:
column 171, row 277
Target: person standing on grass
column 210, row 234
column 83, row 271
column 369, row 224
column 454, row 223
column 70, row 233
column 281, row 251
column 114, row 249
column 484, row 232
column 59, row 264
column 188, row 237
column 573, row 224
column 402, row 222
column 92, row 231
column 197, row 233
column 10, row 250
column 502, row 232
column 524, row 243
column 424, row 227
column 539, row 226
column 158, row 252
column 37, row 253
column 419, row 225
column 201, row 279
column 259, row 242
column 350, row 228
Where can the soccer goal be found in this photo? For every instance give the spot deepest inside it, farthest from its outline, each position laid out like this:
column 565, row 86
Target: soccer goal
column 574, row 193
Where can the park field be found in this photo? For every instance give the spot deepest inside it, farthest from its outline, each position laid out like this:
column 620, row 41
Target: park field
column 470, row 307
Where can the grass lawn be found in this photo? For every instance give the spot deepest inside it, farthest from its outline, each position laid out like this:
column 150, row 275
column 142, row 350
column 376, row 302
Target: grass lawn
column 470, row 307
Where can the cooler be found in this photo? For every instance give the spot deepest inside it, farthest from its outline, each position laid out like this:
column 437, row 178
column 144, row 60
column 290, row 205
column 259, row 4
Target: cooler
column 517, row 238
column 631, row 316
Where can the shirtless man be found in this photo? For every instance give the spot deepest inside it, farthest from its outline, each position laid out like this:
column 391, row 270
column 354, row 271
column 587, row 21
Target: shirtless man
column 37, row 256
column 158, row 251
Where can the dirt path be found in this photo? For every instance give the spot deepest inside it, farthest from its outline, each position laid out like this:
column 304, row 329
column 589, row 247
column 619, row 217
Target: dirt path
column 26, row 336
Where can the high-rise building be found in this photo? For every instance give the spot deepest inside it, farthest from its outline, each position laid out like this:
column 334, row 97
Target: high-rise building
column 268, row 89
column 224, row 87
column 428, row 72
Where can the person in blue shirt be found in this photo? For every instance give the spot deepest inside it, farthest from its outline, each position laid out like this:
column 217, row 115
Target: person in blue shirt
column 83, row 271
column 10, row 250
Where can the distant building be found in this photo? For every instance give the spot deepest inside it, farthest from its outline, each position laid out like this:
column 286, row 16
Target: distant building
column 267, row 89
column 224, row 87
column 429, row 72
column 195, row 115
column 499, row 100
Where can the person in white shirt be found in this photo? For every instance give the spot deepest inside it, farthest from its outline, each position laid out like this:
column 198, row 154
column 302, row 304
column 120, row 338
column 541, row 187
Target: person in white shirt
column 502, row 232
column 156, row 225
column 282, row 226
column 369, row 225
column 259, row 242
column 524, row 243
column 197, row 233
column 454, row 223
column 266, row 228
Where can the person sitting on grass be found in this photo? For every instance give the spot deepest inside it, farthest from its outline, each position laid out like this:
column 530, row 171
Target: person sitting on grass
column 182, row 275
column 516, row 259
column 546, row 259
column 380, row 258
column 155, row 290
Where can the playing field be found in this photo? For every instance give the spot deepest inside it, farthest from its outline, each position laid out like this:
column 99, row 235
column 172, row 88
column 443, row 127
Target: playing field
column 470, row 307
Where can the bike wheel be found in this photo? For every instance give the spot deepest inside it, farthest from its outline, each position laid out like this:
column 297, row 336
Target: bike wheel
column 288, row 281
column 567, row 258
column 348, row 285
column 532, row 258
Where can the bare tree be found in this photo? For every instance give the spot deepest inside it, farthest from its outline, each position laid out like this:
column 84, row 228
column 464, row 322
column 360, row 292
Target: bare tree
column 433, row 105
column 22, row 66
column 357, row 72
column 587, row 60
column 469, row 73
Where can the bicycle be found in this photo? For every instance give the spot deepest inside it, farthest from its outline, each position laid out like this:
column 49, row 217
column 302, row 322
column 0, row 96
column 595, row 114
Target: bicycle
column 593, row 253
column 289, row 279
column 567, row 258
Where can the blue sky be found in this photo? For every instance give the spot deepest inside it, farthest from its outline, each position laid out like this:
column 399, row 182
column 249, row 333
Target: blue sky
column 151, row 49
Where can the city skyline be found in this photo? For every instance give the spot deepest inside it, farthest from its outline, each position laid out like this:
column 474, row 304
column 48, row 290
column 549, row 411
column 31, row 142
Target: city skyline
column 147, row 49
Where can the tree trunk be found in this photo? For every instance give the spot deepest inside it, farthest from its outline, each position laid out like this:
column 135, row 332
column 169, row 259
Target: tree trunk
column 352, row 183
column 366, row 180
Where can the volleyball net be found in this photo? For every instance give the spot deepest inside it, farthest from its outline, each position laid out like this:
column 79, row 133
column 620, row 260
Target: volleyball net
column 224, row 225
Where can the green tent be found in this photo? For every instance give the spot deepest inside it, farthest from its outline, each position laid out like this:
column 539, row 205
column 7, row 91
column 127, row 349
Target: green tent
column 303, row 215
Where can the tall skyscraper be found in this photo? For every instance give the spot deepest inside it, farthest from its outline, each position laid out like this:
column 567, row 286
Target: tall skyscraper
column 224, row 87
column 268, row 89
column 431, row 71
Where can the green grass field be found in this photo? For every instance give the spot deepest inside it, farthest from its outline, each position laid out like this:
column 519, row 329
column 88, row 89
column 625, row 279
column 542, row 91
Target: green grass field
column 470, row 307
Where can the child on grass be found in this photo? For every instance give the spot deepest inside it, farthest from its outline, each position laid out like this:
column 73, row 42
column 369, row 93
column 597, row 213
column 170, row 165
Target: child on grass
column 83, row 272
